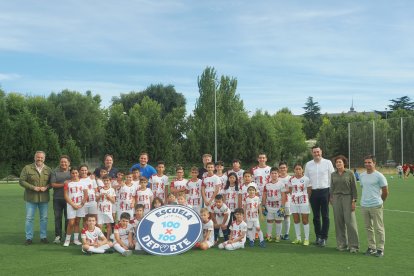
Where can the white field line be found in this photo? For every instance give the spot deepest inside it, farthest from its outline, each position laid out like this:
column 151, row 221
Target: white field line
column 399, row 211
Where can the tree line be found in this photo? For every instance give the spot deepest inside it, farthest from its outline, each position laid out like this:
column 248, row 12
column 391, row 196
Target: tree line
column 155, row 120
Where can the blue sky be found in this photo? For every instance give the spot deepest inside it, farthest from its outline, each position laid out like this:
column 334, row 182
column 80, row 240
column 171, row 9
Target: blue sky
column 281, row 52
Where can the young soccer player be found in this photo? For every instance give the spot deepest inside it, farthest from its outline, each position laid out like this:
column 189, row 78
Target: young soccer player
column 171, row 200
column 75, row 194
column 182, row 199
column 238, row 230
column 159, row 182
column 243, row 194
column 179, row 184
column 220, row 215
column 285, row 177
column 139, row 214
column 300, row 189
column 93, row 240
column 99, row 183
column 219, row 172
column 116, row 184
column 144, row 195
column 126, row 196
column 251, row 213
column 237, row 170
column 106, row 200
column 207, row 238
column 156, row 202
column 261, row 173
column 274, row 199
column 210, row 186
column 123, row 242
column 91, row 206
column 194, row 190
column 135, row 177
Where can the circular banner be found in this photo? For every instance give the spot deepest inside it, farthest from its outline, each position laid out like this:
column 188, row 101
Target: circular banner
column 169, row 230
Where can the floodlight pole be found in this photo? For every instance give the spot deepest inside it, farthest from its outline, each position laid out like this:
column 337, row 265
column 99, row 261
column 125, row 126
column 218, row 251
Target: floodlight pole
column 215, row 122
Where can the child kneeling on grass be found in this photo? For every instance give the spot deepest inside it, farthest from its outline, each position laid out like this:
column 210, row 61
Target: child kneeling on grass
column 238, row 230
column 93, row 240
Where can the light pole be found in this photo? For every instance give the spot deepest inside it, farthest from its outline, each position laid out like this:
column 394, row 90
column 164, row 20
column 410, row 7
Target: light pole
column 386, row 113
column 215, row 121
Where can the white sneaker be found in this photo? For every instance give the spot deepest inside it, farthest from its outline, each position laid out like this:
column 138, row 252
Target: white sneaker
column 77, row 242
column 127, row 253
column 66, row 244
column 57, row 240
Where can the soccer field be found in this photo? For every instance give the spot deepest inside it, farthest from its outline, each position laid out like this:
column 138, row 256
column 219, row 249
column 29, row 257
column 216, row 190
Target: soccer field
column 284, row 257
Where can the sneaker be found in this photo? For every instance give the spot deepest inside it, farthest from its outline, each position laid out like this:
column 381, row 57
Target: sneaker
column 370, row 252
column 57, row 240
column 127, row 253
column 353, row 250
column 297, row 241
column 342, row 248
column 318, row 241
column 87, row 253
column 66, row 243
column 109, row 251
column 77, row 242
column 251, row 243
column 28, row 242
column 379, row 254
column 322, row 243
column 277, row 239
column 44, row 241
column 285, row 237
column 262, row 244
column 306, row 242
column 269, row 239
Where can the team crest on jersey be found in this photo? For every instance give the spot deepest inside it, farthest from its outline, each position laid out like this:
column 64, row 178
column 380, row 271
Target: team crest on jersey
column 169, row 230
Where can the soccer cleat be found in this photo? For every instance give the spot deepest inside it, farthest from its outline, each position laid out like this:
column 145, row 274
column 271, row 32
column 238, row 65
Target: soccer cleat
column 379, row 254
column 353, row 250
column 297, row 241
column 277, row 239
column 370, row 252
column 269, row 239
column 109, row 251
column 86, row 253
column 306, row 242
column 322, row 243
column 57, row 240
column 262, row 244
column 77, row 242
column 285, row 237
column 28, row 242
column 251, row 243
column 127, row 253
column 66, row 243
column 44, row 241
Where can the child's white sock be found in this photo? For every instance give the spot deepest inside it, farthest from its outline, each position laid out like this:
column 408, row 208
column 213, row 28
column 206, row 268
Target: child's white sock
column 76, row 236
column 286, row 224
column 297, row 231
column 269, row 229
column 306, row 230
column 251, row 233
column 119, row 248
column 261, row 235
column 278, row 229
column 68, row 237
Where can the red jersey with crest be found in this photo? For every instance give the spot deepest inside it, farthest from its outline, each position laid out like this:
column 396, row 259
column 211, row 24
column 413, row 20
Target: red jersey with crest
column 91, row 186
column 261, row 176
column 126, row 195
column 210, row 183
column 75, row 191
column 299, row 190
column 93, row 236
column 158, row 185
column 239, row 174
column 145, row 197
column 194, row 192
column 104, row 205
column 238, row 229
column 123, row 232
column 231, row 198
column 273, row 193
column 178, row 184
column 244, row 194
column 252, row 208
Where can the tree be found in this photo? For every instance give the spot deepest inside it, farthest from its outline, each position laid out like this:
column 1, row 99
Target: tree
column 404, row 103
column 312, row 118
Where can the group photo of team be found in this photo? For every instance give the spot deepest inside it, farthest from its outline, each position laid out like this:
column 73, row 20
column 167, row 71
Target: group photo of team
column 100, row 209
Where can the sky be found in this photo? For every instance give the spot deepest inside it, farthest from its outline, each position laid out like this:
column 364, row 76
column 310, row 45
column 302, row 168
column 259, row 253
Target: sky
column 280, row 52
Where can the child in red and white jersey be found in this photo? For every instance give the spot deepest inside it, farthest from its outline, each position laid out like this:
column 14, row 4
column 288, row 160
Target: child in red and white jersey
column 219, row 166
column 251, row 212
column 106, row 200
column 91, row 206
column 144, row 195
column 243, row 194
column 179, row 184
column 285, row 177
column 261, row 173
column 237, row 170
column 210, row 186
column 93, row 240
column 123, row 242
column 139, row 214
column 207, row 237
column 159, row 182
column 126, row 197
column 194, row 190
column 238, row 230
column 220, row 215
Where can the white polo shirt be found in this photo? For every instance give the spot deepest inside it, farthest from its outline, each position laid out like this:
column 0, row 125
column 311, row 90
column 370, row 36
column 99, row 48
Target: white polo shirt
column 319, row 173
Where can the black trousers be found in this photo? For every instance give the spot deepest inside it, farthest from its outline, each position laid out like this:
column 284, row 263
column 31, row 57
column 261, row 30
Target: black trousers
column 59, row 208
column 319, row 201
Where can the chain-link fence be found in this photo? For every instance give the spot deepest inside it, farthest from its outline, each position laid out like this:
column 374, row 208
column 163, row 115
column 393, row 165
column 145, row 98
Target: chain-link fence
column 391, row 141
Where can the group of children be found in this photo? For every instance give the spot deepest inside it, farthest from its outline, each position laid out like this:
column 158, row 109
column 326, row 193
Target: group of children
column 229, row 204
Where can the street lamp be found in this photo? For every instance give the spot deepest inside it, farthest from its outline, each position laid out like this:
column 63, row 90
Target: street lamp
column 386, row 113
column 215, row 121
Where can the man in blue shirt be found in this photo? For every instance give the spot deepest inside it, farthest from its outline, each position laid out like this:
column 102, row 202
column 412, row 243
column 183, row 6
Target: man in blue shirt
column 374, row 192
column 144, row 168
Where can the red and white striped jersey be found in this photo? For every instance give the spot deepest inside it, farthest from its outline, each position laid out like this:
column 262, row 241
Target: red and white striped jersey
column 261, row 177
column 145, row 197
column 194, row 192
column 299, row 190
column 158, row 185
column 104, row 205
column 252, row 208
column 273, row 193
column 75, row 191
column 238, row 230
column 123, row 232
column 210, row 183
column 93, row 236
column 231, row 198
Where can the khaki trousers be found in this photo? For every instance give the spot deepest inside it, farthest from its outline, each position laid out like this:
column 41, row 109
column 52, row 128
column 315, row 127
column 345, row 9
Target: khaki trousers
column 374, row 225
column 345, row 222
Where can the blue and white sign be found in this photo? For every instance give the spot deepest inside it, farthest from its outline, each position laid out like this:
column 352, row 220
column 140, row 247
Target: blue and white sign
column 169, row 230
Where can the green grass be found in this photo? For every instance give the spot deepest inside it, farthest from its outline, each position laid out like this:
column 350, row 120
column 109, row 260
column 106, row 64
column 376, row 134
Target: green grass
column 285, row 258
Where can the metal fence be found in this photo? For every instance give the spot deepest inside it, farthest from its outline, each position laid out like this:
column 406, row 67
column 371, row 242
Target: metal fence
column 390, row 140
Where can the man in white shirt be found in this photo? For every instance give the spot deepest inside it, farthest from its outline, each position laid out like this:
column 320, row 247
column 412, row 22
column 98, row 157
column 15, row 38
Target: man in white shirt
column 319, row 172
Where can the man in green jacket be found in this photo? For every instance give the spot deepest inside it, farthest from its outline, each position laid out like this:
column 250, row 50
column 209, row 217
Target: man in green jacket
column 35, row 179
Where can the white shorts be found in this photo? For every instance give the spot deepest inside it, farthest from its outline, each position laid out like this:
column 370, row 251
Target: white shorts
column 300, row 209
column 91, row 208
column 72, row 213
column 287, row 210
column 232, row 246
column 105, row 218
column 253, row 224
column 272, row 215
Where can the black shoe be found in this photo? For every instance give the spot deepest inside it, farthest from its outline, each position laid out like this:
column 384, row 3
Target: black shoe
column 28, row 242
column 379, row 254
column 370, row 252
column 44, row 241
column 109, row 251
column 322, row 243
column 318, row 241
